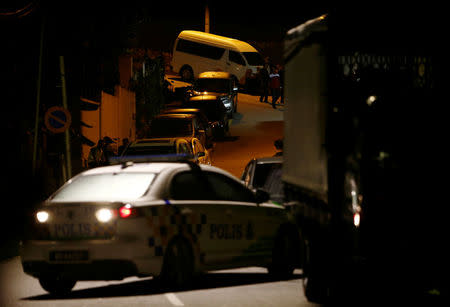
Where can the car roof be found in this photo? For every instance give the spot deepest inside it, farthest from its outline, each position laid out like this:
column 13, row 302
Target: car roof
column 154, row 167
column 265, row 160
column 182, row 110
column 214, row 75
column 150, row 167
column 174, row 115
column 203, row 97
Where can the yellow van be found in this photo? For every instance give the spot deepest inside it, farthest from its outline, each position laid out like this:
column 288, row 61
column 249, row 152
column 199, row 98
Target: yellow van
column 195, row 52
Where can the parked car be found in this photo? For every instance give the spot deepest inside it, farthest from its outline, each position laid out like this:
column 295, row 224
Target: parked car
column 167, row 219
column 168, row 146
column 265, row 173
column 220, row 84
column 214, row 110
column 201, row 116
column 177, row 125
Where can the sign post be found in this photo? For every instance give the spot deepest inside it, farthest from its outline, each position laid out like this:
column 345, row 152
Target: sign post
column 57, row 119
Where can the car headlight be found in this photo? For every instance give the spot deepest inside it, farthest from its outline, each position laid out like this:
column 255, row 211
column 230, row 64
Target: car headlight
column 226, row 101
column 42, row 216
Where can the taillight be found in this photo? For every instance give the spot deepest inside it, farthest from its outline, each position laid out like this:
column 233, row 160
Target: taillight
column 128, row 211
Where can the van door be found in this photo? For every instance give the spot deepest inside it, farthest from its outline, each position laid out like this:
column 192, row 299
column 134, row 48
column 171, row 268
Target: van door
column 236, row 64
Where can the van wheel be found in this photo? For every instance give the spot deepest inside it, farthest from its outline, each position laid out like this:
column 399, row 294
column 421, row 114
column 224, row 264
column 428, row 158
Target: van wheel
column 186, row 73
column 57, row 285
column 178, row 265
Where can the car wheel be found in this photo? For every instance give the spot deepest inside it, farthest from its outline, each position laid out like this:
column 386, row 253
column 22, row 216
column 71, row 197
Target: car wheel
column 283, row 255
column 186, row 73
column 178, row 265
column 57, row 285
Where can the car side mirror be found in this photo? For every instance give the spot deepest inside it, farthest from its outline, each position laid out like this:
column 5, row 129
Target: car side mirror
column 261, row 196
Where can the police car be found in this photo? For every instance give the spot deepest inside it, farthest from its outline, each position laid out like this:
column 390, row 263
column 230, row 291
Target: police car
column 165, row 219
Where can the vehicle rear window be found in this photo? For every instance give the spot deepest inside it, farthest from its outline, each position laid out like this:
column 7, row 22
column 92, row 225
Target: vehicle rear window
column 213, row 85
column 105, row 187
column 170, row 127
column 150, row 150
column 262, row 173
column 213, row 109
column 202, row 50
column 253, row 58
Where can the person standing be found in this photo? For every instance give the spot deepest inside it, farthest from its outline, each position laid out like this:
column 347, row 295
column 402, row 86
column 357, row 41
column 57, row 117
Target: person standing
column 96, row 155
column 281, row 73
column 122, row 147
column 275, row 86
column 264, row 82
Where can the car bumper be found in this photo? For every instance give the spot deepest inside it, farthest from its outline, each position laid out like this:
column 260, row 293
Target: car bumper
column 102, row 259
column 94, row 270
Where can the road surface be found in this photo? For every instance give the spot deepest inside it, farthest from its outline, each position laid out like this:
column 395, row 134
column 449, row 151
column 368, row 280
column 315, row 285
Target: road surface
column 254, row 128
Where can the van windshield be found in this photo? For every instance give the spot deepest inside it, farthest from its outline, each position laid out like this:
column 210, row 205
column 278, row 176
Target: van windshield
column 213, row 85
column 253, row 58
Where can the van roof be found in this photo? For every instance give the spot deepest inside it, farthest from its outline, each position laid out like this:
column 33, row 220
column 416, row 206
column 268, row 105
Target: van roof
column 217, row 40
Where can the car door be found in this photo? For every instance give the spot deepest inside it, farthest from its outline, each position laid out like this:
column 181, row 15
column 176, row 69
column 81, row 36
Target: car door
column 234, row 230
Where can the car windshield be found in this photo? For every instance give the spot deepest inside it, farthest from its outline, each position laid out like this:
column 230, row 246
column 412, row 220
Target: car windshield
column 170, row 127
column 253, row 58
column 213, row 109
column 212, row 85
column 149, row 150
column 105, row 187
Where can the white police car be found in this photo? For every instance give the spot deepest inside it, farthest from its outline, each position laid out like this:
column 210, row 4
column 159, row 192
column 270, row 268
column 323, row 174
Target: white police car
column 167, row 219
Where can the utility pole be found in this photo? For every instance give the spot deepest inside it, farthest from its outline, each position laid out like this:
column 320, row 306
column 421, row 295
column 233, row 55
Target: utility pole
column 207, row 29
column 65, row 106
column 38, row 97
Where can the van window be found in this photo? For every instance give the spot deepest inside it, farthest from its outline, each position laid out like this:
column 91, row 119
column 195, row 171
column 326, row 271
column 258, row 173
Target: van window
column 202, row 50
column 236, row 58
column 253, row 58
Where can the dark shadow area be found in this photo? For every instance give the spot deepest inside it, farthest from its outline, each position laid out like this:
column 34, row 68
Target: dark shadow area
column 237, row 118
column 228, row 138
column 274, row 126
column 154, row 287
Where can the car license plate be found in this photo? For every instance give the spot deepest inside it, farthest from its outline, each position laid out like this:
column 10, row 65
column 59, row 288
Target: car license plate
column 80, row 255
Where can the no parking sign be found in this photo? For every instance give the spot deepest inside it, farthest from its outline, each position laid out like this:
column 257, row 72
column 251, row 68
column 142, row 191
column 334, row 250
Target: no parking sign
column 57, row 119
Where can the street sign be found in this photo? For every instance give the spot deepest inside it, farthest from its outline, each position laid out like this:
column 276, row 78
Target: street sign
column 57, row 119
